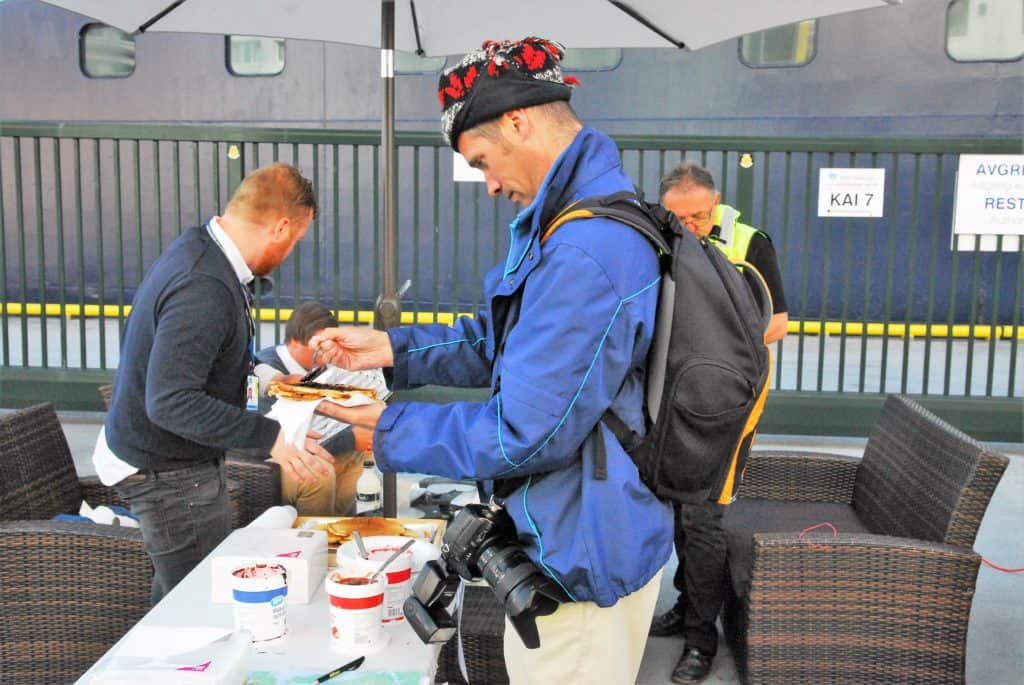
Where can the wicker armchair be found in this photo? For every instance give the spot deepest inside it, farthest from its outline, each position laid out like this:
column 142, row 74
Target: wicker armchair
column 888, row 599
column 255, row 482
column 68, row 591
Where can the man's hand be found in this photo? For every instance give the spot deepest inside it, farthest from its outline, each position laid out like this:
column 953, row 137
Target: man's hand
column 362, row 418
column 306, row 464
column 354, row 347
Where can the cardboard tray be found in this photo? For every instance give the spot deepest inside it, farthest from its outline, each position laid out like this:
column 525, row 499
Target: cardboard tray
column 421, row 529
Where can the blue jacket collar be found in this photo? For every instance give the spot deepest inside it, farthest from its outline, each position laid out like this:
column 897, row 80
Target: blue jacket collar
column 590, row 154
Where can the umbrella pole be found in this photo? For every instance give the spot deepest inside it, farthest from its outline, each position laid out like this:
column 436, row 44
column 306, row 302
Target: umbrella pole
column 389, row 309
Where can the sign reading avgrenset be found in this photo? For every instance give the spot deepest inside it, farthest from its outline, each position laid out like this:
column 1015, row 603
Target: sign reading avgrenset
column 851, row 192
column 989, row 195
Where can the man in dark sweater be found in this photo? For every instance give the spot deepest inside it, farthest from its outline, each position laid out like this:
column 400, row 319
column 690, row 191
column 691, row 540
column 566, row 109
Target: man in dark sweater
column 186, row 361
column 335, row 493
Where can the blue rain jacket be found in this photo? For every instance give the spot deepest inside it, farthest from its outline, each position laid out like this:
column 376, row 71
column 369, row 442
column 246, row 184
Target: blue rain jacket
column 563, row 336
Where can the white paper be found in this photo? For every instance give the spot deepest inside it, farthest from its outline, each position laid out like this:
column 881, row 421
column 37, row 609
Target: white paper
column 297, row 418
column 194, row 655
column 160, row 641
column 275, row 518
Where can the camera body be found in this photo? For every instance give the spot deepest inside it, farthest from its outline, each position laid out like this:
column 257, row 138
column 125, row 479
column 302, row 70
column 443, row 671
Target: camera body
column 481, row 542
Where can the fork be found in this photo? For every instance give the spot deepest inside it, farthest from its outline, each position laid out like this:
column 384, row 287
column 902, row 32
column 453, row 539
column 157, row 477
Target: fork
column 316, row 370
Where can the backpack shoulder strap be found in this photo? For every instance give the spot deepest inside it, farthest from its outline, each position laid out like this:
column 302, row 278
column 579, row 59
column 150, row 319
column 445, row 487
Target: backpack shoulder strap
column 624, row 206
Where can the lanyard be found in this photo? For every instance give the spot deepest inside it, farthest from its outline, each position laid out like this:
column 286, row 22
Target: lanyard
column 247, row 298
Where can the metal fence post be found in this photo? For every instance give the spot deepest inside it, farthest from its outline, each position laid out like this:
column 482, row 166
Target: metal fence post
column 745, row 185
column 236, row 166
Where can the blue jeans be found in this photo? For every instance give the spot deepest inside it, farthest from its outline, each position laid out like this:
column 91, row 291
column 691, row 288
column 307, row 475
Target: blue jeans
column 183, row 515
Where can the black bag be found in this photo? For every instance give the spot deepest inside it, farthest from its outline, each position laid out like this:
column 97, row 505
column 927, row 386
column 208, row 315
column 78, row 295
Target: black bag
column 708, row 367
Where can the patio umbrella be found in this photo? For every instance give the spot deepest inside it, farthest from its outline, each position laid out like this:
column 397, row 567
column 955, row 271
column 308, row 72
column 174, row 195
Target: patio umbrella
column 444, row 27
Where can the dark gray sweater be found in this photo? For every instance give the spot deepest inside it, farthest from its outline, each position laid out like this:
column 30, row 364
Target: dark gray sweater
column 179, row 393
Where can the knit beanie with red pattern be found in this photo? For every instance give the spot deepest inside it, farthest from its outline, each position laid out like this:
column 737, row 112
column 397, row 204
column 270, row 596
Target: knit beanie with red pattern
column 497, row 78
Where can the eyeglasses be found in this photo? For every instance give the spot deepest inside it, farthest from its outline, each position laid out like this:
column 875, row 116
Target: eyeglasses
column 695, row 219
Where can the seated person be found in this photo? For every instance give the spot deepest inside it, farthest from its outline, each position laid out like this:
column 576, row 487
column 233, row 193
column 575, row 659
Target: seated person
column 325, row 495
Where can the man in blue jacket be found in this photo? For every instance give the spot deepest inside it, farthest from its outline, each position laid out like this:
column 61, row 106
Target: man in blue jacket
column 563, row 337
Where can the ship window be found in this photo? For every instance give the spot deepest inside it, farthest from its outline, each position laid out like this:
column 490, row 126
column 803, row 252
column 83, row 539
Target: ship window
column 411, row 63
column 985, row 30
column 255, row 55
column 792, row 45
column 105, row 52
column 591, row 59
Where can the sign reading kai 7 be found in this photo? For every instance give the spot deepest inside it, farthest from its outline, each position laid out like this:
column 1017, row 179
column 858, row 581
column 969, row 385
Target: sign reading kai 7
column 851, row 192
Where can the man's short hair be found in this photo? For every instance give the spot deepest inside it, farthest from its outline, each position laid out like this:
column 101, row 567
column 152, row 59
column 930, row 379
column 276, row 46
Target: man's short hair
column 277, row 188
column 308, row 319
column 686, row 174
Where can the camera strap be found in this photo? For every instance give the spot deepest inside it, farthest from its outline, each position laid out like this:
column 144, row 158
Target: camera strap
column 460, row 595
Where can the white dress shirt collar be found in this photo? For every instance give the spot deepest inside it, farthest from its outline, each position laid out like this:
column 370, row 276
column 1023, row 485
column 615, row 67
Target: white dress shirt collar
column 230, row 250
column 288, row 360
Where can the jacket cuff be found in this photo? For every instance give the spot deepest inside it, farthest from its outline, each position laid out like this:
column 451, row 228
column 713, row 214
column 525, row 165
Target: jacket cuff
column 400, row 352
column 381, row 433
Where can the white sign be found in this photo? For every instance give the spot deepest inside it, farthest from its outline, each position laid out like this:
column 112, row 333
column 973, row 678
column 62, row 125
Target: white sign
column 851, row 192
column 989, row 200
column 461, row 171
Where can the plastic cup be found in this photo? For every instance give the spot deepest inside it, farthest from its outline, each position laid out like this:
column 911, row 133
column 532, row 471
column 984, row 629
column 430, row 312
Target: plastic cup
column 259, row 592
column 356, row 607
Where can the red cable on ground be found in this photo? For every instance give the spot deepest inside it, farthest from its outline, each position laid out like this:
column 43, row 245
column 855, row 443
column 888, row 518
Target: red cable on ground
column 818, row 525
column 835, row 533
column 1002, row 568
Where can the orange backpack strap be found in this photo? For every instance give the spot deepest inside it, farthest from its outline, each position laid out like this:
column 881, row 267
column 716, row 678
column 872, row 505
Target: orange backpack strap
column 568, row 214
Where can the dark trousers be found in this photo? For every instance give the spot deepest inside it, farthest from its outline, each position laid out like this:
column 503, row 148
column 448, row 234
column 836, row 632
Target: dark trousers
column 701, row 575
column 183, row 514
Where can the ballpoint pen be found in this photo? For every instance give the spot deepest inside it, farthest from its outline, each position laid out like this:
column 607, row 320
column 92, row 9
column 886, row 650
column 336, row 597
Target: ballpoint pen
column 350, row 666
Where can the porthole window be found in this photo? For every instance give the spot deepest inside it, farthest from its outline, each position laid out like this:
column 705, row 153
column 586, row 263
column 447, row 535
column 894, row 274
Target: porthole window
column 105, row 51
column 255, row 55
column 411, row 63
column 591, row 59
column 792, row 45
column 985, row 30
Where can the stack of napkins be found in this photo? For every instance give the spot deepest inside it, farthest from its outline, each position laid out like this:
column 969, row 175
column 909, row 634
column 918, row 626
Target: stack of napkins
column 192, row 655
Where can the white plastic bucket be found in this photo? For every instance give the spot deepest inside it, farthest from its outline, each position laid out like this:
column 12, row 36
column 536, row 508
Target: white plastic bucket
column 259, row 592
column 398, row 572
column 356, row 606
column 422, row 550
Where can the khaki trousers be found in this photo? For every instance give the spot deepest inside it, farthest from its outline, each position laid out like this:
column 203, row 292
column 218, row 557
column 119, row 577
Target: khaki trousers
column 332, row 495
column 582, row 643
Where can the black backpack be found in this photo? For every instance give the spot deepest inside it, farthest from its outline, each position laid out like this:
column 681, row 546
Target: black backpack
column 708, row 368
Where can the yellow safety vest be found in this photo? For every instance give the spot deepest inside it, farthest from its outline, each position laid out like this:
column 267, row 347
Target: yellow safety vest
column 733, row 237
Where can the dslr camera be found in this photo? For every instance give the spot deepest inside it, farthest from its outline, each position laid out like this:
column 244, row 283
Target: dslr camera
column 481, row 543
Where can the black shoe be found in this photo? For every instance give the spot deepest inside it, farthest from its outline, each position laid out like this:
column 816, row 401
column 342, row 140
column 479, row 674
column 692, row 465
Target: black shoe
column 667, row 624
column 693, row 666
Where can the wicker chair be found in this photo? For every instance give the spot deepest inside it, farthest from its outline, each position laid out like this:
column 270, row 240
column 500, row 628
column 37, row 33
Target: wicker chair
column 68, row 591
column 888, row 599
column 255, row 482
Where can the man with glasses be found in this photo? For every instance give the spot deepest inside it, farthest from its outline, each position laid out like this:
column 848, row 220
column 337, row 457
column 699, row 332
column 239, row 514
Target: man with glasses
column 688, row 191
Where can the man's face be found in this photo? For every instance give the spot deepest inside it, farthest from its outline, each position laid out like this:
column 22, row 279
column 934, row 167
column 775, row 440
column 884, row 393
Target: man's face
column 503, row 162
column 280, row 241
column 694, row 206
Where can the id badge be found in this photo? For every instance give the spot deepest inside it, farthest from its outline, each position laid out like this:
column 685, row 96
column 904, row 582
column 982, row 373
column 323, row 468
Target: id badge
column 252, row 392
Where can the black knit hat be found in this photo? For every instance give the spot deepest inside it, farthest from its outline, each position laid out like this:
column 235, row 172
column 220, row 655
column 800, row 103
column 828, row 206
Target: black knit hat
column 497, row 78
